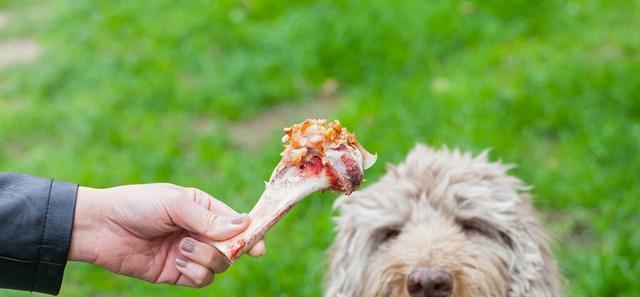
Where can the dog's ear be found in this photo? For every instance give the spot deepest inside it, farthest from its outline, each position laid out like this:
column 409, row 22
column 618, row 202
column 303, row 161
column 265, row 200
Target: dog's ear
column 531, row 269
column 534, row 273
column 347, row 260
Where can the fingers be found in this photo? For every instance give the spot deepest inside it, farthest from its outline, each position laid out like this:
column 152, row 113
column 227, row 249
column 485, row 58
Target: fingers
column 258, row 249
column 209, row 202
column 197, row 219
column 203, row 254
column 200, row 213
column 184, row 281
column 198, row 276
column 227, row 227
column 200, row 197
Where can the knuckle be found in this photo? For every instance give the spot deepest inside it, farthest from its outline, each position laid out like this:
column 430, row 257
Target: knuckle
column 175, row 194
column 195, row 194
column 200, row 196
column 199, row 193
column 189, row 193
column 210, row 221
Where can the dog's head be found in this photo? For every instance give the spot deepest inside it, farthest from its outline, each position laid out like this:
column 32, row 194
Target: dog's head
column 441, row 224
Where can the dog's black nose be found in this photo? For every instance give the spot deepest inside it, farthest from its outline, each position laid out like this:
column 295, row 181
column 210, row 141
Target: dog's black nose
column 429, row 282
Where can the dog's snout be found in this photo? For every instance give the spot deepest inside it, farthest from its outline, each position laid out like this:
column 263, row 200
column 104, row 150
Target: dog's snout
column 429, row 282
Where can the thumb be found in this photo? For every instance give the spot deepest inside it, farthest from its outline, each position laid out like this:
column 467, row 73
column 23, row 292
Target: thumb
column 217, row 227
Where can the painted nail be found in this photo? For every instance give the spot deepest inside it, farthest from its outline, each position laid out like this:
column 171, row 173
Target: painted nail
column 239, row 219
column 188, row 246
column 181, row 262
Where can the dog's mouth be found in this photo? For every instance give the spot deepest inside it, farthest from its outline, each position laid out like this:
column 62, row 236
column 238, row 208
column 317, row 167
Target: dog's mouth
column 419, row 281
column 388, row 281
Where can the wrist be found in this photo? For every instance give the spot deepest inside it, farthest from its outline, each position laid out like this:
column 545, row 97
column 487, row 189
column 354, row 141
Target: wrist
column 86, row 222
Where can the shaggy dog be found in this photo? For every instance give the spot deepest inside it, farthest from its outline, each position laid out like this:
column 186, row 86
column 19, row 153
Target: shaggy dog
column 441, row 224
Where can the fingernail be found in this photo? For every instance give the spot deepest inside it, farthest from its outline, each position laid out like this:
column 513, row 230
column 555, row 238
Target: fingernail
column 239, row 219
column 188, row 246
column 181, row 262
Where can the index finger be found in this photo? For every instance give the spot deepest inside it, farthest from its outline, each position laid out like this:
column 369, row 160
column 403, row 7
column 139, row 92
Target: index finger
column 209, row 202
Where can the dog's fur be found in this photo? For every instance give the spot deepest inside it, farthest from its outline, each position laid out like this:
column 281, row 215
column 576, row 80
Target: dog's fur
column 448, row 210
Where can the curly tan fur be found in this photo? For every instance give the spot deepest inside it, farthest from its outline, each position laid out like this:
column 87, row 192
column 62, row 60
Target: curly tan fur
column 448, row 210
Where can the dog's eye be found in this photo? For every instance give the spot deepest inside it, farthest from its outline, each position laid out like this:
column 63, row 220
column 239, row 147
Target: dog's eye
column 388, row 234
column 476, row 226
column 481, row 227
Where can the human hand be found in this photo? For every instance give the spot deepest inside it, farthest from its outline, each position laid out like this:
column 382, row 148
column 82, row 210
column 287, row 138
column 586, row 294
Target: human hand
column 161, row 233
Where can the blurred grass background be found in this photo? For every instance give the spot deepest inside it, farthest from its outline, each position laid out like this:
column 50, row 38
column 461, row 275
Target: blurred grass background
column 178, row 91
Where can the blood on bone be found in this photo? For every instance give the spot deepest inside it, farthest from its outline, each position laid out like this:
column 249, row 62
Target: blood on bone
column 313, row 166
column 354, row 174
column 338, row 182
column 237, row 249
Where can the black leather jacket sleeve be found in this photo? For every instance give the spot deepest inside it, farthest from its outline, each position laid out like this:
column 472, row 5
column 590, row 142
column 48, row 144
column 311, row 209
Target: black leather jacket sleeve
column 36, row 216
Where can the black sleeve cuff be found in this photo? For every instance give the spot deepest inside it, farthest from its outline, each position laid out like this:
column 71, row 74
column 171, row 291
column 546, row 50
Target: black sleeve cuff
column 36, row 218
column 56, row 237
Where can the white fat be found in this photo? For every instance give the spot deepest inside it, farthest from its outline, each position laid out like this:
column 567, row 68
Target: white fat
column 333, row 158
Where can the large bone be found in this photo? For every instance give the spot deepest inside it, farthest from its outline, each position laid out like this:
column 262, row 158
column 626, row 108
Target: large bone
column 339, row 167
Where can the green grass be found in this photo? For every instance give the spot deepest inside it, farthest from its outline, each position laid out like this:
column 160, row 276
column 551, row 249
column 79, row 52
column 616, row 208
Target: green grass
column 145, row 91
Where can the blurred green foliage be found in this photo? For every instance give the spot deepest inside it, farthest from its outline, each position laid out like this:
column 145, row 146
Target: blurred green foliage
column 146, row 91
